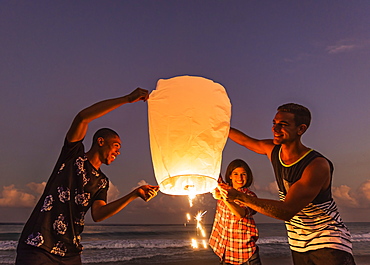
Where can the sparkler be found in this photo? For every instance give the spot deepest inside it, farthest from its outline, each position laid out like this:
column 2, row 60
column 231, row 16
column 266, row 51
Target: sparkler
column 188, row 217
column 200, row 229
column 191, row 198
column 194, row 243
column 204, row 243
column 198, row 218
column 191, row 193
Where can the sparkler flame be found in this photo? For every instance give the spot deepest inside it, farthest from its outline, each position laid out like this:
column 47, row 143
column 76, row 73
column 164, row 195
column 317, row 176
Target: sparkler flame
column 199, row 216
column 191, row 198
column 200, row 230
column 204, row 243
column 194, row 243
column 188, row 217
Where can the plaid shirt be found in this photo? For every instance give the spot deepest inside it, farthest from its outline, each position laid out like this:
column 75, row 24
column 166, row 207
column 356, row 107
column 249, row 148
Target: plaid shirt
column 233, row 239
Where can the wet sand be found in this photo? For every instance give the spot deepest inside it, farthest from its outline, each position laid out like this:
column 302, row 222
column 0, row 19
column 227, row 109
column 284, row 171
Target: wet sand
column 360, row 260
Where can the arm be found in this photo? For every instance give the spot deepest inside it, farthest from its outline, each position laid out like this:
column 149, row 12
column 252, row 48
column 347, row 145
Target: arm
column 263, row 147
column 100, row 210
column 79, row 126
column 315, row 178
column 236, row 209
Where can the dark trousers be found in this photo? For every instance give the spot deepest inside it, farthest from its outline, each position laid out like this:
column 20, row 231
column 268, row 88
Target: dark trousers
column 254, row 260
column 29, row 255
column 324, row 256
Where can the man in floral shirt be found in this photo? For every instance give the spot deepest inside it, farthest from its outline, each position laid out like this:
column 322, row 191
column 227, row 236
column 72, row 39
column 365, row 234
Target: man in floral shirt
column 52, row 233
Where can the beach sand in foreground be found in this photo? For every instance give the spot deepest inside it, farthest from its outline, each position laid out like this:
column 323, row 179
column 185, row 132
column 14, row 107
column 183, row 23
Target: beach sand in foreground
column 360, row 260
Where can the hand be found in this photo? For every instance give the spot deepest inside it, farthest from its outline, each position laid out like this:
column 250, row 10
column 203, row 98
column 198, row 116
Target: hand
column 147, row 192
column 137, row 95
column 216, row 194
column 220, row 179
column 227, row 193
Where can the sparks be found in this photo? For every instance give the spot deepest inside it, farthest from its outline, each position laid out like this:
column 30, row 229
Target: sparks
column 204, row 243
column 188, row 217
column 200, row 230
column 194, row 243
column 199, row 216
column 191, row 198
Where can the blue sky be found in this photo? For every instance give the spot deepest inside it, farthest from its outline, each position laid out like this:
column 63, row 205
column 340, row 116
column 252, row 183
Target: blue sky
column 58, row 57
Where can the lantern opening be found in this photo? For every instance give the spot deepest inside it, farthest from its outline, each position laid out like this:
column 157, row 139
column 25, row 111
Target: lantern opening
column 191, row 184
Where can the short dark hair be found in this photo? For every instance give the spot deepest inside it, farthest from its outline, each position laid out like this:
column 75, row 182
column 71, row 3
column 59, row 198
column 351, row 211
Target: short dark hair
column 235, row 164
column 302, row 115
column 105, row 133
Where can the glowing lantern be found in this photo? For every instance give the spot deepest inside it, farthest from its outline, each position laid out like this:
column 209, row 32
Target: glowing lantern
column 189, row 122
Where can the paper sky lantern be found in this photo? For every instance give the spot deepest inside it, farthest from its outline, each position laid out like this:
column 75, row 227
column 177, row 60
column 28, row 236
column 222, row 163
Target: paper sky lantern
column 189, row 122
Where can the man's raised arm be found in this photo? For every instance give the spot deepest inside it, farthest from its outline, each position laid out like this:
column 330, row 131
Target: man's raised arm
column 79, row 126
column 263, row 147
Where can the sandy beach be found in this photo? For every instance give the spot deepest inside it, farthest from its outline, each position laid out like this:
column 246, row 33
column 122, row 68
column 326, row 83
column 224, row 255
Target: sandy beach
column 169, row 245
column 360, row 260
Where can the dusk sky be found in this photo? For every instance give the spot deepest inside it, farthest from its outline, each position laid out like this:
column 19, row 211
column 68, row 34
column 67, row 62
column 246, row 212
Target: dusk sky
column 58, row 57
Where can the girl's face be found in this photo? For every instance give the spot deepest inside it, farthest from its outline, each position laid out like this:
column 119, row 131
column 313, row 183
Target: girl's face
column 238, row 177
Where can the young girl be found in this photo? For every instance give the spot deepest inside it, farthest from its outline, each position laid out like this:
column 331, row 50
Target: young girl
column 234, row 233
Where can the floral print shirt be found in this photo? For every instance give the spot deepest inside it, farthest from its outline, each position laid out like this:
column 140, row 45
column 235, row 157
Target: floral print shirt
column 58, row 218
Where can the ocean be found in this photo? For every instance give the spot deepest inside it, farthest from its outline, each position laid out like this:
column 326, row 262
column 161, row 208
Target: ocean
column 136, row 244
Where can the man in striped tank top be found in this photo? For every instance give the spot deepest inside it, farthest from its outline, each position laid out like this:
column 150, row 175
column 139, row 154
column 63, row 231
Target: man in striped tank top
column 316, row 232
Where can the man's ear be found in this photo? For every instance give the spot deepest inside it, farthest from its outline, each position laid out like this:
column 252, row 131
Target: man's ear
column 302, row 129
column 100, row 141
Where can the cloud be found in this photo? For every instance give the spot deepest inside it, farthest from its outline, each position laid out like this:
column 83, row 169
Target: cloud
column 38, row 188
column 140, row 183
column 339, row 48
column 12, row 197
column 347, row 45
column 346, row 197
column 113, row 192
column 365, row 190
column 343, row 197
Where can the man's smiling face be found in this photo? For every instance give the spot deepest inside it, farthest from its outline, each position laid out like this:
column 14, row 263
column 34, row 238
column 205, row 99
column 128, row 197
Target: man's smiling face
column 110, row 149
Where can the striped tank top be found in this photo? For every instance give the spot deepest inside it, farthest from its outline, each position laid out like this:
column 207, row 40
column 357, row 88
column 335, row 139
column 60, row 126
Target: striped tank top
column 318, row 225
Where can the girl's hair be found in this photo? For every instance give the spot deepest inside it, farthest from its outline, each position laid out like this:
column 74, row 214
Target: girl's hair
column 235, row 164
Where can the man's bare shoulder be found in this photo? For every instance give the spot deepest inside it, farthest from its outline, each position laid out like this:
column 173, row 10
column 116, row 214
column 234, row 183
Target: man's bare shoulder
column 319, row 163
column 317, row 173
